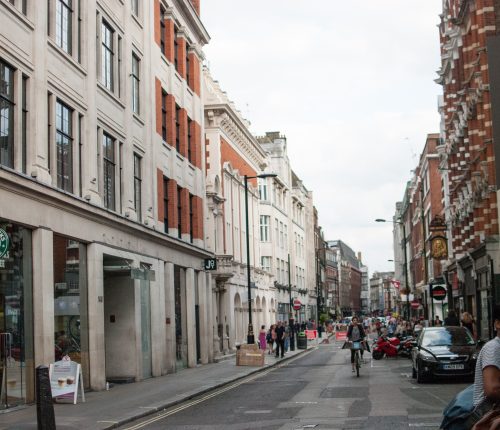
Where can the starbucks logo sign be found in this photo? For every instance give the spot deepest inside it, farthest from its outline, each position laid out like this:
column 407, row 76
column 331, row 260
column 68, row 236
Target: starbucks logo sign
column 4, row 242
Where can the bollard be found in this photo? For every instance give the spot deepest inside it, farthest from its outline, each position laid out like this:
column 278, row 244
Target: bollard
column 44, row 405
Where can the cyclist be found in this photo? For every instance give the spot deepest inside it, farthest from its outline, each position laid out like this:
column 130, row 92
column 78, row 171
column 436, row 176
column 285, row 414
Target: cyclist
column 355, row 333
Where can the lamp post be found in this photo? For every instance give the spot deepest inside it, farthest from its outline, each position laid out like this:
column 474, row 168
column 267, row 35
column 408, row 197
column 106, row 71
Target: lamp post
column 250, row 335
column 405, row 264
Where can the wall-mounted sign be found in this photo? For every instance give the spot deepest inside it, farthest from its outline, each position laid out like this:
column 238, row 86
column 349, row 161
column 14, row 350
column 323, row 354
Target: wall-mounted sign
column 297, row 304
column 437, row 224
column 439, row 247
column 4, row 242
column 210, row 264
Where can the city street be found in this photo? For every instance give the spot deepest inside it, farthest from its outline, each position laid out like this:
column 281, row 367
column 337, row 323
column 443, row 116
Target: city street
column 316, row 390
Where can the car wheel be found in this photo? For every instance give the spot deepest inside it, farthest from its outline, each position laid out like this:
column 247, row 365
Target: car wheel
column 420, row 373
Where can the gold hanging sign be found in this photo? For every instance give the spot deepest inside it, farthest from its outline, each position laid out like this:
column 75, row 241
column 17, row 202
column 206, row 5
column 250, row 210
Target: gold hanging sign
column 439, row 247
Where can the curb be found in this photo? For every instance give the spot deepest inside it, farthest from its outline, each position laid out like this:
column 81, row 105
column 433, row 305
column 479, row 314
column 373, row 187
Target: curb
column 201, row 392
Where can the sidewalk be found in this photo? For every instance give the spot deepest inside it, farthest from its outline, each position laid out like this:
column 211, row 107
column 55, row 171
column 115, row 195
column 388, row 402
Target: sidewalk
column 127, row 402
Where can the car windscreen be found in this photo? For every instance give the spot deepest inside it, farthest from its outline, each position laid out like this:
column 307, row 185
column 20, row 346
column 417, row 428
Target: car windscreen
column 447, row 337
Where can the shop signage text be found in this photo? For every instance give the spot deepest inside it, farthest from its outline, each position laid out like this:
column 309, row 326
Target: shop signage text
column 4, row 243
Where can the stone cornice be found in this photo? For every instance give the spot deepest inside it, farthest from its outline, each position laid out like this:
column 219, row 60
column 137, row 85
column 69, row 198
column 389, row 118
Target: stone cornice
column 194, row 21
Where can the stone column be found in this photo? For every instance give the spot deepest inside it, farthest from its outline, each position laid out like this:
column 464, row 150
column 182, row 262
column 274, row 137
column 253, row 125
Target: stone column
column 43, row 296
column 190, row 318
column 97, row 346
column 169, row 366
column 158, row 335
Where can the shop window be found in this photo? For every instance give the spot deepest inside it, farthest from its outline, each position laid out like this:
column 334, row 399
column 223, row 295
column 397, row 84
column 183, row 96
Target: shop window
column 16, row 316
column 70, row 301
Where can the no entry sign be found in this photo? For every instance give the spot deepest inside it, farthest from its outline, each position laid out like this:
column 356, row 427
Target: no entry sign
column 438, row 292
column 297, row 304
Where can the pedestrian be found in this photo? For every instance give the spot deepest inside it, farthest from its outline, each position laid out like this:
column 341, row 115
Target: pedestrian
column 487, row 375
column 355, row 333
column 280, row 340
column 437, row 322
column 468, row 322
column 262, row 337
column 378, row 327
column 270, row 340
column 286, row 336
column 451, row 319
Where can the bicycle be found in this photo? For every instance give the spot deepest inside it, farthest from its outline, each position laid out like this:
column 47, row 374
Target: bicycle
column 356, row 346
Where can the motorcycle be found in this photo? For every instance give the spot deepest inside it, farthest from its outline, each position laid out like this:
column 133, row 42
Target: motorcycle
column 392, row 347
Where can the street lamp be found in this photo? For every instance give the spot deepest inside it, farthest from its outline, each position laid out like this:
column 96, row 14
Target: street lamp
column 250, row 335
column 405, row 264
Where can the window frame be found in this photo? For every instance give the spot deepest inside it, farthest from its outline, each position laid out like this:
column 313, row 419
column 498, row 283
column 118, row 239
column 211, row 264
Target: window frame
column 138, row 186
column 179, row 212
column 107, row 56
column 164, row 127
column 64, row 34
column 109, row 200
column 178, row 128
column 8, row 99
column 166, row 200
column 64, row 137
column 136, row 84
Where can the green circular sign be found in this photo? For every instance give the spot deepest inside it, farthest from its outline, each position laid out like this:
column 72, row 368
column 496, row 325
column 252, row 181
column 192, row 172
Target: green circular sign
column 4, row 242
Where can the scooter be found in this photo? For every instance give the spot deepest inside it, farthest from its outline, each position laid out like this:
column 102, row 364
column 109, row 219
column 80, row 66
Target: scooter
column 392, row 347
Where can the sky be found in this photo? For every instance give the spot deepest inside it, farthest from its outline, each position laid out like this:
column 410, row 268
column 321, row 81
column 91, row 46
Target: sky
column 351, row 86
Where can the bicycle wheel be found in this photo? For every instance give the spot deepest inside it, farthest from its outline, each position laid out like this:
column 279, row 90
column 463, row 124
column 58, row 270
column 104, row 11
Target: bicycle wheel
column 357, row 363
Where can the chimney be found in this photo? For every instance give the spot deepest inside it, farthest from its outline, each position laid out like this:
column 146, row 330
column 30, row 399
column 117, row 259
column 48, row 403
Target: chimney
column 359, row 257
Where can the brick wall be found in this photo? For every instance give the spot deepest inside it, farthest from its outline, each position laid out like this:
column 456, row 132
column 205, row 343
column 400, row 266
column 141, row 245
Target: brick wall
column 194, row 73
column 170, row 35
column 197, row 217
column 181, row 56
column 170, row 120
column 228, row 154
column 183, row 132
column 172, row 204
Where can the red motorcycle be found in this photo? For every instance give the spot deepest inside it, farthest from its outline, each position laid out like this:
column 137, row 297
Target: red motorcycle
column 392, row 347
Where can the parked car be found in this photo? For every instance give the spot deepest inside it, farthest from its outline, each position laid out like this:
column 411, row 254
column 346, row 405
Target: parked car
column 444, row 351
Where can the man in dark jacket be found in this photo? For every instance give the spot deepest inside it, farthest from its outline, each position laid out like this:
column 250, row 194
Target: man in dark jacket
column 280, row 340
column 451, row 319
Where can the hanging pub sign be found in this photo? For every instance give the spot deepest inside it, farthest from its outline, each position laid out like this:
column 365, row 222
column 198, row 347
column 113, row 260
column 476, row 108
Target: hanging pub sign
column 439, row 247
column 210, row 264
column 4, row 242
column 437, row 224
column 438, row 292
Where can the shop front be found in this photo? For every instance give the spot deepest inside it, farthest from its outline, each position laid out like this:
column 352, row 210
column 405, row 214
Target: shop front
column 16, row 315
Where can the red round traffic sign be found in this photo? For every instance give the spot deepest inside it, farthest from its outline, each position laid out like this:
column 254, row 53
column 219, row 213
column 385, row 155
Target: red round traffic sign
column 415, row 304
column 297, row 304
column 438, row 292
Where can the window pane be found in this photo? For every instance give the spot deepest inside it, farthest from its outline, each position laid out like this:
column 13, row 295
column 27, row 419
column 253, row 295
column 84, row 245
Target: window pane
column 6, row 115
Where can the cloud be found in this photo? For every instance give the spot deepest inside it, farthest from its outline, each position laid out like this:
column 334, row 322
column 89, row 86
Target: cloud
column 351, row 86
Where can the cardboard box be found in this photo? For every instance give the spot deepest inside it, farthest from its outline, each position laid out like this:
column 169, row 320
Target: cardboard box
column 249, row 355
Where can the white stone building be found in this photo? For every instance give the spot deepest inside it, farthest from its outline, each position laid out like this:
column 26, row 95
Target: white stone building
column 233, row 152
column 103, row 189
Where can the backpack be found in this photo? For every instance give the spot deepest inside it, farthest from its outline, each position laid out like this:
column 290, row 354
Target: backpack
column 460, row 414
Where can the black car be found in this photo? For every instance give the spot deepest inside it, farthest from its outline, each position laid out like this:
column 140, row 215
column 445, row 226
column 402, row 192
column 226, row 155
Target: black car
column 444, row 351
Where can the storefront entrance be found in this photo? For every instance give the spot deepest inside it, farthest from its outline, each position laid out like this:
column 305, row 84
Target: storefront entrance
column 16, row 310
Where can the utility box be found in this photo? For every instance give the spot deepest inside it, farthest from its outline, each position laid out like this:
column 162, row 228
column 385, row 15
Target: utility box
column 249, row 355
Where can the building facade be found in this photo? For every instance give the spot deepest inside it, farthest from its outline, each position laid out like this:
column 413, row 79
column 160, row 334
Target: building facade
column 232, row 153
column 101, row 166
column 469, row 48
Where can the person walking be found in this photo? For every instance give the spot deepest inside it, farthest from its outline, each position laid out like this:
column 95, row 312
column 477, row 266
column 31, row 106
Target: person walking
column 451, row 319
column 270, row 340
column 262, row 338
column 437, row 322
column 280, row 340
column 468, row 322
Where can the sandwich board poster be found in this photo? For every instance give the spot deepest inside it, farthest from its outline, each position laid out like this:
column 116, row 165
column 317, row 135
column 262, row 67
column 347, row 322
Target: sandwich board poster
column 65, row 378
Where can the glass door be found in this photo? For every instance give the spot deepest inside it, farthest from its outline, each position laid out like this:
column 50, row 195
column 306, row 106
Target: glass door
column 16, row 328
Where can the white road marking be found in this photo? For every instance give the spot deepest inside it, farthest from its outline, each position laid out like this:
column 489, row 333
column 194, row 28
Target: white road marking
column 424, row 424
column 268, row 411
